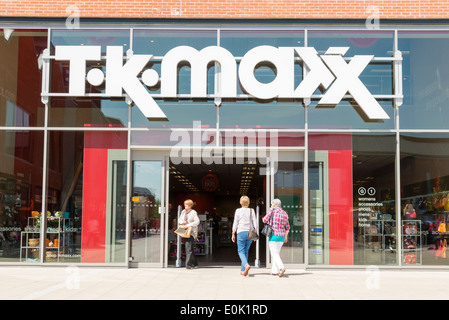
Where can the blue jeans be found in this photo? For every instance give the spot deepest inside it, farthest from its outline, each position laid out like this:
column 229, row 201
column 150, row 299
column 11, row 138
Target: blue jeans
column 243, row 245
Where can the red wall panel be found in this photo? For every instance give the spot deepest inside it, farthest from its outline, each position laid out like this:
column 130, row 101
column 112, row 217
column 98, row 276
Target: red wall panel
column 339, row 148
column 340, row 208
column 95, row 163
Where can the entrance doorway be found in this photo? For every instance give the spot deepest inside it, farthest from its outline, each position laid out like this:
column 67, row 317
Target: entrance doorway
column 215, row 190
column 160, row 187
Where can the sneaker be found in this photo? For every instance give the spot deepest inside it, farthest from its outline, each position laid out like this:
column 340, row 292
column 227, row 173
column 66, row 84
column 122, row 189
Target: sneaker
column 247, row 267
column 281, row 273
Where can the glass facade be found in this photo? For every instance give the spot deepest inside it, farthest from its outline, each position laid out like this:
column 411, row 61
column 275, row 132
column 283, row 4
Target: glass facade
column 372, row 192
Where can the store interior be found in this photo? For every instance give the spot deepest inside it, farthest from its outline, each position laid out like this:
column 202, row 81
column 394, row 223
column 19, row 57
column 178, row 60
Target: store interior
column 215, row 190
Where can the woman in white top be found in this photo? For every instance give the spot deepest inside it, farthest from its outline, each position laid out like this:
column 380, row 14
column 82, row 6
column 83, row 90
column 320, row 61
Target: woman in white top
column 241, row 226
column 189, row 218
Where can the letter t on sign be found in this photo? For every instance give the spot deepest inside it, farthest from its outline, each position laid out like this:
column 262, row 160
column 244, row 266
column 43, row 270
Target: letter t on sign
column 77, row 55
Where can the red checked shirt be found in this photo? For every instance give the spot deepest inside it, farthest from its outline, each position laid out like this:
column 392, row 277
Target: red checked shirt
column 280, row 221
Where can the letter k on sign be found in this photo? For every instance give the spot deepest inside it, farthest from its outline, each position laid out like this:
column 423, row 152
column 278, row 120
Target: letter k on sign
column 124, row 76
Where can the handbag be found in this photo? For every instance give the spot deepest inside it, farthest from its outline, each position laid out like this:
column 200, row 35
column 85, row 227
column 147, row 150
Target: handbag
column 411, row 214
column 410, row 258
column 446, row 202
column 267, row 228
column 443, row 252
column 439, row 250
column 185, row 233
column 373, row 229
column 252, row 233
column 410, row 229
column 442, row 226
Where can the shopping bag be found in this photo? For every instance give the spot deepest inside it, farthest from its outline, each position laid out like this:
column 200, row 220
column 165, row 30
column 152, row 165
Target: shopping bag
column 185, row 233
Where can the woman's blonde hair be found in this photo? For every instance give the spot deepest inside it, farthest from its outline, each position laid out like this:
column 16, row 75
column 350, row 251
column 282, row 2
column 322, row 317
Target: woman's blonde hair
column 244, row 201
column 189, row 202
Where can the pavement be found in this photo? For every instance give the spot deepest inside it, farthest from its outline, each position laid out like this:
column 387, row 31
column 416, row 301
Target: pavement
column 218, row 284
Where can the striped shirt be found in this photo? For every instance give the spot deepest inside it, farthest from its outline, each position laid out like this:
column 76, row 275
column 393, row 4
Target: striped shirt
column 280, row 221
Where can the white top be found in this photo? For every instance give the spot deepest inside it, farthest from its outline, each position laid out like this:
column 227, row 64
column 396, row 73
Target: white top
column 242, row 220
column 191, row 217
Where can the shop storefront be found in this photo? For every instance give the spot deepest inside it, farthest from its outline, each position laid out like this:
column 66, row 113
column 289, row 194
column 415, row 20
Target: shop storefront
column 106, row 130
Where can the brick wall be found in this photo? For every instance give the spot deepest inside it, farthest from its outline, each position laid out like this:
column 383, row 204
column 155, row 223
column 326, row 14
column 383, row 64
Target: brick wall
column 254, row 9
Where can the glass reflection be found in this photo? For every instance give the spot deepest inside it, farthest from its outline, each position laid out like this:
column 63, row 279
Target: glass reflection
column 93, row 37
column 182, row 112
column 425, row 79
column 82, row 112
column 20, row 195
column 20, row 83
column 159, row 42
column 239, row 42
column 348, row 115
column 352, row 207
column 288, row 187
column 146, row 205
column 86, row 197
column 364, row 42
column 424, row 205
column 262, row 114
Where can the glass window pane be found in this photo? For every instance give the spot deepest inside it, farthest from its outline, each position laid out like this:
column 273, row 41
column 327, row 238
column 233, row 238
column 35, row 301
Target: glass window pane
column 375, row 237
column 159, row 42
column 20, row 195
column 81, row 112
column 377, row 78
column 288, row 187
column 352, row 206
column 239, row 42
column 179, row 112
column 146, row 218
column 254, row 113
column 94, row 37
column 360, row 42
column 425, row 79
column 174, row 138
column 251, row 114
column 424, row 206
column 86, row 197
column 348, row 115
column 21, row 80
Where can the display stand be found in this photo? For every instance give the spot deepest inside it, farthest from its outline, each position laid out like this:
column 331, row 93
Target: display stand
column 224, row 233
column 57, row 235
column 380, row 242
column 411, row 242
column 200, row 246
